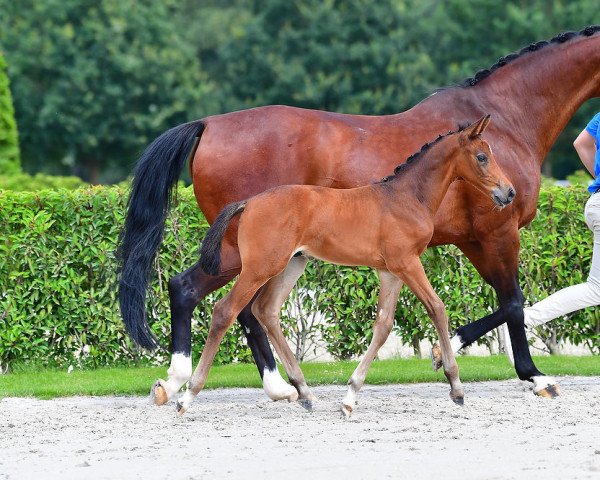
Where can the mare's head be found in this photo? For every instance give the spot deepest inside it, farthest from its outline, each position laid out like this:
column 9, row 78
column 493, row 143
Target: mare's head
column 476, row 164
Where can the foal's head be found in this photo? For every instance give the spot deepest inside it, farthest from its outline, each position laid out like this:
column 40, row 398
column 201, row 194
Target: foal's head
column 476, row 164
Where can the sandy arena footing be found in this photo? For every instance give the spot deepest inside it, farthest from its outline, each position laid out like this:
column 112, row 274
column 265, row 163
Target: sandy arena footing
column 397, row 431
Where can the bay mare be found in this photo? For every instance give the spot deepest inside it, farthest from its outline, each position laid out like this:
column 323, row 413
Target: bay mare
column 386, row 226
column 531, row 94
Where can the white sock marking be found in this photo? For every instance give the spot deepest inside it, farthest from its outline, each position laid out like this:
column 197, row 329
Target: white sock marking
column 276, row 387
column 186, row 399
column 179, row 373
column 456, row 343
column 350, row 398
column 542, row 382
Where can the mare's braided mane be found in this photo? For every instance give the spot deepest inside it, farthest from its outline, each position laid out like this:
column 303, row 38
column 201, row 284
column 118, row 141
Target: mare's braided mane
column 534, row 47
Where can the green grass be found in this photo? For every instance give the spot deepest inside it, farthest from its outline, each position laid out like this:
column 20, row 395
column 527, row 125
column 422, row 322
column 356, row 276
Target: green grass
column 137, row 381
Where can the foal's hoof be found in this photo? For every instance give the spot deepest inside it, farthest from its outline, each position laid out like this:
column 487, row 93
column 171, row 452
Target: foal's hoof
column 459, row 400
column 306, row 403
column 347, row 410
column 551, row 391
column 436, row 357
column 158, row 393
column 180, row 409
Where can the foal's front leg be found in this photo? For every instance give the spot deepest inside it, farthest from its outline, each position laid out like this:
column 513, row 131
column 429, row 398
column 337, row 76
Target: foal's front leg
column 386, row 307
column 413, row 274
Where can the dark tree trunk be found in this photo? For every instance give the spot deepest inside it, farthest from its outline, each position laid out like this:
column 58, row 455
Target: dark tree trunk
column 92, row 170
column 552, row 343
column 547, row 168
column 416, row 344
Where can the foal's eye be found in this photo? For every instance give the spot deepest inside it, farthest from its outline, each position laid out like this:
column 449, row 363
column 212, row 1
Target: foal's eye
column 481, row 157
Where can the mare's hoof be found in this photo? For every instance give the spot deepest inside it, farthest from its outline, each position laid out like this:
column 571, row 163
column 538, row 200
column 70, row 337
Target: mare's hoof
column 306, row 403
column 346, row 410
column 180, row 409
column 458, row 400
column 551, row 391
column 158, row 393
column 436, row 357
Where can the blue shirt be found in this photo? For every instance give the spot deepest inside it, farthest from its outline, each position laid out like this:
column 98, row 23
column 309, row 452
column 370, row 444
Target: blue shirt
column 593, row 128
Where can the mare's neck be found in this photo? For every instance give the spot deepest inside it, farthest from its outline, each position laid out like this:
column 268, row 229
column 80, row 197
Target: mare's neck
column 538, row 93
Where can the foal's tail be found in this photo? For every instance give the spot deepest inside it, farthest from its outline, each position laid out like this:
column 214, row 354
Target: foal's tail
column 210, row 252
column 155, row 175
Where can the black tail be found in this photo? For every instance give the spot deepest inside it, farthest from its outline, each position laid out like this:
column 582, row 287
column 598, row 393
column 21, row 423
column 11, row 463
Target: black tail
column 210, row 252
column 154, row 177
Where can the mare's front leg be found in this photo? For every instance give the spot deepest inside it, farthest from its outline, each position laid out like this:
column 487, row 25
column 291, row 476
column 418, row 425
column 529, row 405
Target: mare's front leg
column 497, row 262
column 386, row 307
column 412, row 273
column 267, row 307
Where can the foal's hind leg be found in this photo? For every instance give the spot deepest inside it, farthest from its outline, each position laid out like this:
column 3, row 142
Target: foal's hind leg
column 386, row 307
column 223, row 317
column 186, row 290
column 414, row 276
column 267, row 307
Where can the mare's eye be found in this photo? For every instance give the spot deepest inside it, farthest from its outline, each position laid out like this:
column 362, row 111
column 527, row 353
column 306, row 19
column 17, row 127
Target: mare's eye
column 482, row 158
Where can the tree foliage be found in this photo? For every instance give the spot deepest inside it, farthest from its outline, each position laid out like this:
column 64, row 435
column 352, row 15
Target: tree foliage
column 10, row 162
column 355, row 57
column 96, row 81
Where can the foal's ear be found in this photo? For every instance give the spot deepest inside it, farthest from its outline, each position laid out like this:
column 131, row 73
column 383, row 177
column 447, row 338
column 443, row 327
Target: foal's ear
column 477, row 128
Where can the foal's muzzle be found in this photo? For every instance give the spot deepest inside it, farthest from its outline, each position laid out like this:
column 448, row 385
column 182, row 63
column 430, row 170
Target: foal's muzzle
column 503, row 195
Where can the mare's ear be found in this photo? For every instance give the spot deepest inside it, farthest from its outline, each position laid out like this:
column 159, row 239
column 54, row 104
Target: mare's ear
column 477, row 128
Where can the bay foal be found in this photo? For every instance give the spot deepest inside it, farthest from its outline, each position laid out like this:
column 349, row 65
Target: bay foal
column 386, row 226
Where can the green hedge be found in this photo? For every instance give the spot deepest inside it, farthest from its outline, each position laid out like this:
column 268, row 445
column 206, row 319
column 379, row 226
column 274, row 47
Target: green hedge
column 23, row 182
column 58, row 287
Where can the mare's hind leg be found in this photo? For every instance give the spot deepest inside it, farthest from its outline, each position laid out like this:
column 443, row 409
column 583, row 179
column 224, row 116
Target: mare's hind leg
column 185, row 292
column 223, row 317
column 267, row 307
column 386, row 307
column 275, row 387
column 412, row 273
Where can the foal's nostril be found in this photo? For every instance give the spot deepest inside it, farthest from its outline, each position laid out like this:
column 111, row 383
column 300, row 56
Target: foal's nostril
column 511, row 194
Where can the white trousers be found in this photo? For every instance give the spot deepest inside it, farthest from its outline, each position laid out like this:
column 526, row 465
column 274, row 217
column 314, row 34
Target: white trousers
column 571, row 298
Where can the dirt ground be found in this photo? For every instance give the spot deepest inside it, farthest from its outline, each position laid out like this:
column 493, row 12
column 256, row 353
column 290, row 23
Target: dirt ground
column 400, row 431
